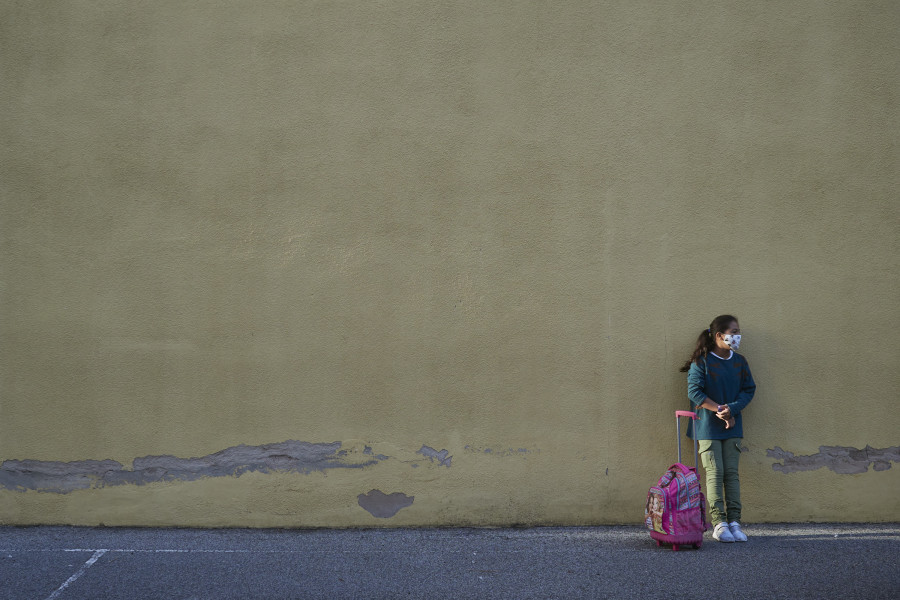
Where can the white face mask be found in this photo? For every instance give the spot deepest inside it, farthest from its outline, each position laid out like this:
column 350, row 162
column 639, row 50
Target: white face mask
column 733, row 341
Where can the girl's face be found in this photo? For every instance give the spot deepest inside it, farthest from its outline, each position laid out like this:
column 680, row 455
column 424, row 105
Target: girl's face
column 730, row 339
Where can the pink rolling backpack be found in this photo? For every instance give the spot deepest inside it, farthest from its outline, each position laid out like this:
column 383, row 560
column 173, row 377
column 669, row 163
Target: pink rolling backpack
column 676, row 508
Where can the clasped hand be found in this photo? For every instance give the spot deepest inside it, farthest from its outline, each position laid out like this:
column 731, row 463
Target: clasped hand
column 724, row 413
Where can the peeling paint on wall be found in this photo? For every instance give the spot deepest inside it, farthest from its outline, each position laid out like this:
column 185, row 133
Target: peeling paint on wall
column 441, row 457
column 63, row 477
column 384, row 506
column 368, row 450
column 502, row 452
column 840, row 459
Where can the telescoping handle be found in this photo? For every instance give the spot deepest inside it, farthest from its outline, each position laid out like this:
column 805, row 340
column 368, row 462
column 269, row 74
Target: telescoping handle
column 692, row 415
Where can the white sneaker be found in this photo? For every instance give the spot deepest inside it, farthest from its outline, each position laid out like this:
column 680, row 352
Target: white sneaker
column 736, row 533
column 722, row 533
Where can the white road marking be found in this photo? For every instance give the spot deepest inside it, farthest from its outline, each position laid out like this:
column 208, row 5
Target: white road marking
column 94, row 558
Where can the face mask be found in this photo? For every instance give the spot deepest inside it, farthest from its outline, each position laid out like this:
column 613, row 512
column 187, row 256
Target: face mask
column 733, row 341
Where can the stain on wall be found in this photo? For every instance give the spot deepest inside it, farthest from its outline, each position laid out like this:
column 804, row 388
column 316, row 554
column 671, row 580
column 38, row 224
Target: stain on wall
column 442, row 457
column 286, row 457
column 501, row 452
column 384, row 506
column 368, row 450
column 840, row 459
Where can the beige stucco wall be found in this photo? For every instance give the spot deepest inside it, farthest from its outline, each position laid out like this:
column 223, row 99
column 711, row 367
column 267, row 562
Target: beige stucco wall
column 405, row 227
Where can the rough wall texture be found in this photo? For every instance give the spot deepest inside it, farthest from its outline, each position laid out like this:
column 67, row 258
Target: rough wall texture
column 455, row 250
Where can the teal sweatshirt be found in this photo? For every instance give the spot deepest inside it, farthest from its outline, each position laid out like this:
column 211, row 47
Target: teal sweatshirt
column 724, row 381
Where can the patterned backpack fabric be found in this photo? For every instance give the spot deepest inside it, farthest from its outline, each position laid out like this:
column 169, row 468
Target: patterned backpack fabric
column 675, row 505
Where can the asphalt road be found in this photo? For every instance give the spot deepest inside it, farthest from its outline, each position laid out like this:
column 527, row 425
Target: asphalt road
column 780, row 561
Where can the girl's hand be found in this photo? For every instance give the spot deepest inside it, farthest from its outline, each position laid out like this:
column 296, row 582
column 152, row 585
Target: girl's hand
column 724, row 413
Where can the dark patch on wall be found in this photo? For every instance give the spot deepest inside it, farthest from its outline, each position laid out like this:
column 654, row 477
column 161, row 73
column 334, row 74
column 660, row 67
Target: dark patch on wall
column 840, row 459
column 48, row 476
column 283, row 457
column 504, row 452
column 441, row 457
column 368, row 450
column 384, row 506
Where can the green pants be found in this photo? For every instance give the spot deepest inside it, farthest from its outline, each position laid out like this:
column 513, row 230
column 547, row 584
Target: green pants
column 723, row 486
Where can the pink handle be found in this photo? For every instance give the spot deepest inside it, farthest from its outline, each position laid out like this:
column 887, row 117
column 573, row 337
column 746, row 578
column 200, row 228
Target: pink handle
column 686, row 413
column 680, row 467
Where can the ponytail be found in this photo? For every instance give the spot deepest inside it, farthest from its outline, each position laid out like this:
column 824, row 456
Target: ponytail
column 706, row 341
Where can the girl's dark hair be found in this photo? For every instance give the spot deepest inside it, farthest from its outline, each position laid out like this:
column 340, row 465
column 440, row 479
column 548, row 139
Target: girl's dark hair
column 706, row 341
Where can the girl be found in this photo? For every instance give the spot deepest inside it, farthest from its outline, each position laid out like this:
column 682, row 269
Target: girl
column 720, row 386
